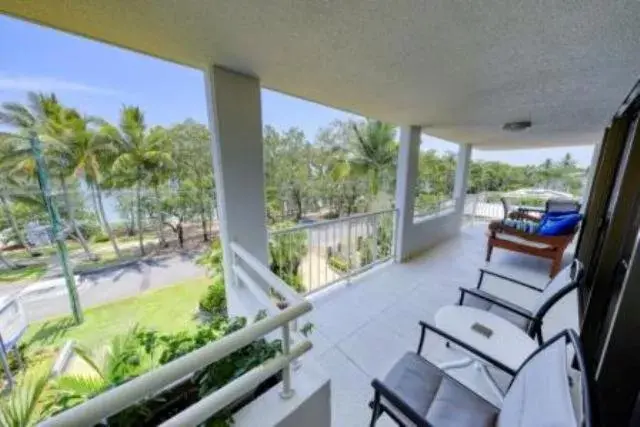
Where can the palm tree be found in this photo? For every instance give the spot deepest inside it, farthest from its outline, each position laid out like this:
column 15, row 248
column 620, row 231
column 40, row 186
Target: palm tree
column 375, row 151
column 547, row 167
column 46, row 118
column 61, row 134
column 568, row 161
column 144, row 155
column 88, row 150
column 9, row 182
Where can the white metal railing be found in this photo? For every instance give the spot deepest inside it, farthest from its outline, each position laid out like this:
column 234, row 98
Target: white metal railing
column 149, row 384
column 326, row 252
column 264, row 297
column 479, row 208
column 486, row 206
column 424, row 209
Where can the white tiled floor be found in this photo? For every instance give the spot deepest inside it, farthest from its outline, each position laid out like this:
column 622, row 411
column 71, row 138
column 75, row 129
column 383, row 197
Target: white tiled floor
column 364, row 327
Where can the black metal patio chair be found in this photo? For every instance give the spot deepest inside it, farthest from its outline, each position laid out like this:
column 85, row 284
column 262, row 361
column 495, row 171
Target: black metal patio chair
column 530, row 321
column 541, row 394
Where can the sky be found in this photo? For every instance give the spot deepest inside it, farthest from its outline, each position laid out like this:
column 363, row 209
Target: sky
column 99, row 79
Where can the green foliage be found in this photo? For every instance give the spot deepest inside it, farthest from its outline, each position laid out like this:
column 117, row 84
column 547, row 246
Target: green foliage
column 211, row 259
column 307, row 329
column 375, row 151
column 123, row 359
column 286, row 251
column 100, row 237
column 31, row 272
column 130, row 355
column 140, row 350
column 521, row 201
column 23, row 406
column 203, row 382
column 429, row 203
column 214, row 301
column 338, row 263
column 235, row 365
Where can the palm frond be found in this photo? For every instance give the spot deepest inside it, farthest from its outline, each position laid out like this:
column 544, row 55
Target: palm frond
column 81, row 386
column 85, row 354
column 21, row 408
column 132, row 124
column 17, row 115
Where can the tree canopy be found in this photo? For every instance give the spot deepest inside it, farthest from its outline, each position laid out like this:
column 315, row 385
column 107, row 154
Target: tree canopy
column 160, row 177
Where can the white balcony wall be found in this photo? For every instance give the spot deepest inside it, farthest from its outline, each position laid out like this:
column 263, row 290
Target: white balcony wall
column 416, row 237
column 310, row 405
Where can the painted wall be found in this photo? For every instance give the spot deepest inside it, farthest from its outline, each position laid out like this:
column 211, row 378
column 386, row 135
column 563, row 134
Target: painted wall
column 430, row 231
column 415, row 237
column 310, row 406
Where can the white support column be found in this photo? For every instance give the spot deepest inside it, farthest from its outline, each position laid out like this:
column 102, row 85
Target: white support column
column 235, row 122
column 462, row 177
column 406, row 178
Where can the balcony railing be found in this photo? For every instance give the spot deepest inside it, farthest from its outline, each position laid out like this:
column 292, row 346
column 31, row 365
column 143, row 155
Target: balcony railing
column 434, row 206
column 147, row 385
column 486, row 206
column 312, row 256
column 481, row 208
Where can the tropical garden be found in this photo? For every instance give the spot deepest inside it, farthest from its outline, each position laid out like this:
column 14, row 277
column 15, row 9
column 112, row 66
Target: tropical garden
column 129, row 189
column 158, row 181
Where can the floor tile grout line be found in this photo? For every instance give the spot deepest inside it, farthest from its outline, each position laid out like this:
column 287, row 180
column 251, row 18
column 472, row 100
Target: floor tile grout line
column 356, row 364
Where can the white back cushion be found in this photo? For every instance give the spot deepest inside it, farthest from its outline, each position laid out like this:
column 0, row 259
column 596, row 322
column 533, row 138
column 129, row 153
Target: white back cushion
column 562, row 279
column 540, row 394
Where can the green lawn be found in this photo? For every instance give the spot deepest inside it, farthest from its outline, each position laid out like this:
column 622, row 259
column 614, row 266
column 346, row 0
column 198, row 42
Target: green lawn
column 31, row 272
column 167, row 310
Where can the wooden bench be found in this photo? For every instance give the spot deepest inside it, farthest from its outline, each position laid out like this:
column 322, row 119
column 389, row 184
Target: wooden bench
column 511, row 239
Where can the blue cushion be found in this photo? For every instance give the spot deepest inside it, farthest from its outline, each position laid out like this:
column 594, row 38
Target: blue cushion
column 557, row 225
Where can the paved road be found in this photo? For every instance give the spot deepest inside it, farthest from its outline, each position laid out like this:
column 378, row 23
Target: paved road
column 114, row 285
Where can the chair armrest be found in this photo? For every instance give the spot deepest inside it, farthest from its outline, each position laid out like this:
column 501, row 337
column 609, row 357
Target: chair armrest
column 484, row 271
column 400, row 404
column 462, row 344
column 562, row 240
column 524, row 215
column 507, row 305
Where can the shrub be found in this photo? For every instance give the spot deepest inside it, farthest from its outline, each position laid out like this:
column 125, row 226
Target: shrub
column 339, row 263
column 100, row 237
column 285, row 255
column 366, row 251
column 530, row 201
column 202, row 382
column 21, row 407
column 331, row 215
column 212, row 258
column 214, row 301
column 143, row 349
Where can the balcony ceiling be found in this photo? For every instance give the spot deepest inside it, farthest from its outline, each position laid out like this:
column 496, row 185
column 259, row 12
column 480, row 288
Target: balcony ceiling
column 460, row 68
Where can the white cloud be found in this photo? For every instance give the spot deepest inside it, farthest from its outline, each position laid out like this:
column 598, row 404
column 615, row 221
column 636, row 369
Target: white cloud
column 51, row 84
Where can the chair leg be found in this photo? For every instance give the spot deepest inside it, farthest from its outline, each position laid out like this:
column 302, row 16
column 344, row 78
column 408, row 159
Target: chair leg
column 375, row 410
column 555, row 265
column 489, row 251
